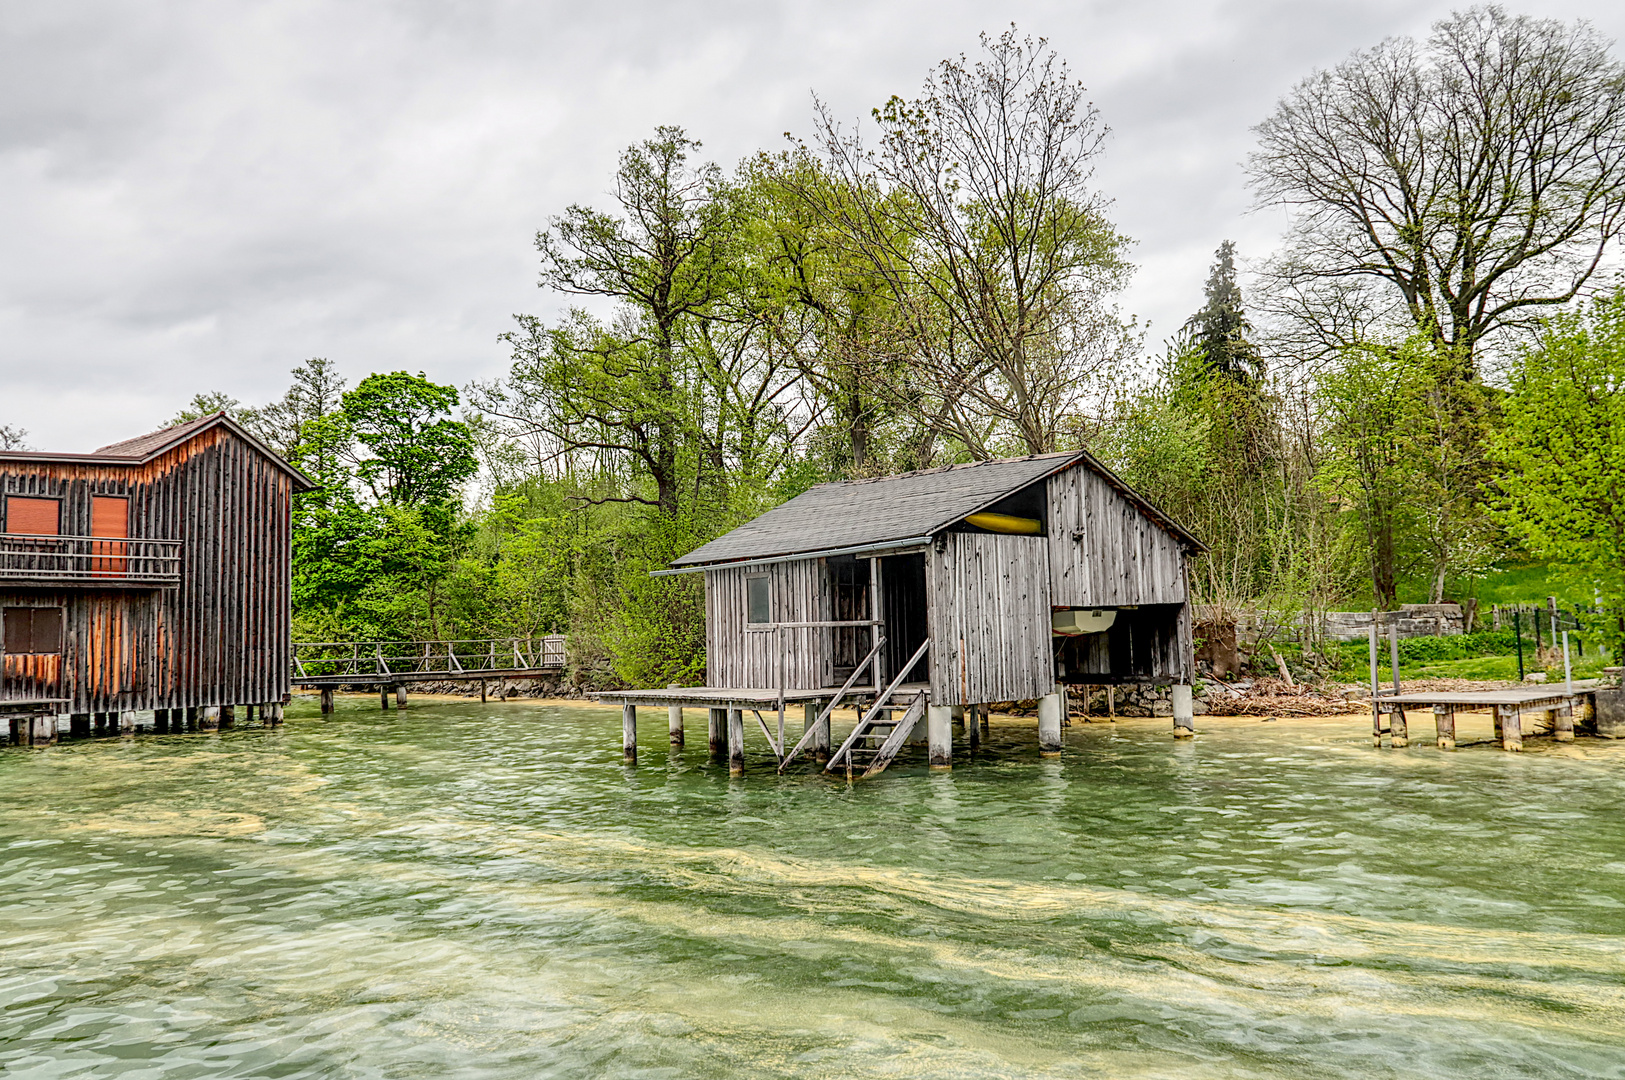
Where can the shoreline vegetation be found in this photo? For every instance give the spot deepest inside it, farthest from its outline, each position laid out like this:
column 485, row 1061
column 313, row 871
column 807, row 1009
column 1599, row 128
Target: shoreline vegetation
column 1404, row 403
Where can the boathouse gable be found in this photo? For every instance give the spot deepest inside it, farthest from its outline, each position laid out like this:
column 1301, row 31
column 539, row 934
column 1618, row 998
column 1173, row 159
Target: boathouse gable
column 168, row 561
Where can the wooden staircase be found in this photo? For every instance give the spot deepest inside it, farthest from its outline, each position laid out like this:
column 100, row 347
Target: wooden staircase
column 877, row 739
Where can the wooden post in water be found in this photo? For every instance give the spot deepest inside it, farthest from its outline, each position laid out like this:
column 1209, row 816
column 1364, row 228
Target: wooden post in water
column 193, row 718
column 78, row 725
column 986, row 718
column 629, row 733
column 400, row 695
column 674, row 721
column 126, row 722
column 736, row 741
column 1184, row 711
column 327, row 700
column 383, row 697
column 1444, row 720
column 1401, row 735
column 1049, row 723
column 160, row 721
column 482, row 691
column 820, row 744
column 1511, row 727
column 210, row 720
column 1563, row 721
column 973, row 724
column 716, row 737
column 939, row 733
column 228, row 717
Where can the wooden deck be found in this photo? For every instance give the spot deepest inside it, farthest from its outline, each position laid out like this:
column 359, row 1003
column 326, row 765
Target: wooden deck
column 1507, row 706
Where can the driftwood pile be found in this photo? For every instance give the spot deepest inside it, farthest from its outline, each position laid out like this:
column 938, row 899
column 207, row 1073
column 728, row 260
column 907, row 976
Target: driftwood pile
column 1275, row 697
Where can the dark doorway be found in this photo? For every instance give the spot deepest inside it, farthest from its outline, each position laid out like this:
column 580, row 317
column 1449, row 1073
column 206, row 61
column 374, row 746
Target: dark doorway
column 902, row 589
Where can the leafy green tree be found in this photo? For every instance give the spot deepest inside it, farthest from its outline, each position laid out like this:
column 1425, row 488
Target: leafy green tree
column 419, row 456
column 1560, row 449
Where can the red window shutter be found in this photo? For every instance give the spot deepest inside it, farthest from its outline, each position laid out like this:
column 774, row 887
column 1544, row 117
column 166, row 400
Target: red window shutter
column 109, row 517
column 33, row 517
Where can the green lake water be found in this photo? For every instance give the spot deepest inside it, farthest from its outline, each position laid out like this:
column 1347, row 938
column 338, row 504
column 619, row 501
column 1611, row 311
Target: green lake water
column 486, row 891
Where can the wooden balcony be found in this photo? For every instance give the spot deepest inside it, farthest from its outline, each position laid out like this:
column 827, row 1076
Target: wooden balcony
column 99, row 562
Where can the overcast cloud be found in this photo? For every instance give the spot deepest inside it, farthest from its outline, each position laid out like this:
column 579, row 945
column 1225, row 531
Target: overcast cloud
column 197, row 196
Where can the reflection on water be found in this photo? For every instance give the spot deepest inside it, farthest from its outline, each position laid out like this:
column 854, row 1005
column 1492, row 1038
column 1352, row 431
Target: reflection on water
column 485, row 891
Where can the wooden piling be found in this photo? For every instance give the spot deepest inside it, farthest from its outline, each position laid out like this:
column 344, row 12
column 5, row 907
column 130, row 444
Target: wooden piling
column 400, row 695
column 820, row 743
column 327, row 699
column 1511, row 727
column 1049, row 723
column 1563, row 722
column 79, row 725
column 1444, row 720
column 986, row 718
column 629, row 733
column 482, row 691
column 939, row 728
column 228, row 717
column 383, row 698
column 210, row 720
column 126, row 722
column 736, row 741
column 1400, row 735
column 160, row 721
column 974, row 718
column 674, row 721
column 716, row 737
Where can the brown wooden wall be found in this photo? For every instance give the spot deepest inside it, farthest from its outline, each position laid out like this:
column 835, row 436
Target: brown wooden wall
column 223, row 636
column 748, row 659
column 1103, row 551
column 990, row 619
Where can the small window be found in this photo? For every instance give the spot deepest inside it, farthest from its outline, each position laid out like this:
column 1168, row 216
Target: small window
column 758, row 599
column 32, row 630
column 32, row 516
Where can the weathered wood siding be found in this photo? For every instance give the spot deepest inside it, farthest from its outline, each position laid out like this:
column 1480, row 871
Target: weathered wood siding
column 223, row 636
column 736, row 656
column 990, row 619
column 1103, row 551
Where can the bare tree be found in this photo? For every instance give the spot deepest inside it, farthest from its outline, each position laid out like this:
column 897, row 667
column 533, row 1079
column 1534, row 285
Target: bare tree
column 977, row 210
column 13, row 438
column 1479, row 177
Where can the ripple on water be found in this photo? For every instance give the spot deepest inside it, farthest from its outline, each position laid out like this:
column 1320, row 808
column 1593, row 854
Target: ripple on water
column 487, row 891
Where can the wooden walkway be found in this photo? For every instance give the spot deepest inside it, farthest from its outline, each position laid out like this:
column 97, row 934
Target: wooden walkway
column 391, row 665
column 1507, row 706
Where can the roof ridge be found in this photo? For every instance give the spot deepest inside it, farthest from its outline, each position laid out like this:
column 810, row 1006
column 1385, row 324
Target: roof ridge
column 935, row 469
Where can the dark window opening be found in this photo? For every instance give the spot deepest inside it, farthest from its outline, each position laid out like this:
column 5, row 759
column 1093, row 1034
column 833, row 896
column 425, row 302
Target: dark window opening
column 32, row 630
column 759, row 599
column 1031, row 501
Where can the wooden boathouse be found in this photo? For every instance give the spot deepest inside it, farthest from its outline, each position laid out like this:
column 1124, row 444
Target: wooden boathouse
column 152, row 574
column 935, row 593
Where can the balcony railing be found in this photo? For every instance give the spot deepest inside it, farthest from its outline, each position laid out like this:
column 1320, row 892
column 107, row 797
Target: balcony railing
column 88, row 560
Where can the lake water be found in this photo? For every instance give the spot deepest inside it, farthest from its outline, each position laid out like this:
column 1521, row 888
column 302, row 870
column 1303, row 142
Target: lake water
column 486, row 891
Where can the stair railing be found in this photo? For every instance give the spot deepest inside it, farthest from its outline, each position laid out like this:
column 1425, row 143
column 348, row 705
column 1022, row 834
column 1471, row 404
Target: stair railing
column 881, row 700
column 834, row 702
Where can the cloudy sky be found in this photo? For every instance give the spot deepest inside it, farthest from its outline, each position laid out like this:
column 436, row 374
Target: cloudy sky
column 197, row 196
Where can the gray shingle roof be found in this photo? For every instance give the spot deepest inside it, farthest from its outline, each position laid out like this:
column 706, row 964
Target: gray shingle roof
column 855, row 513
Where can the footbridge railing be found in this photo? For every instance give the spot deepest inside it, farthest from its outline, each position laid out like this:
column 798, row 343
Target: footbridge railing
column 367, row 661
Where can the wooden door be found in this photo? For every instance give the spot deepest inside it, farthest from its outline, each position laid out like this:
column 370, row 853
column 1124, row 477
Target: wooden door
column 110, row 518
